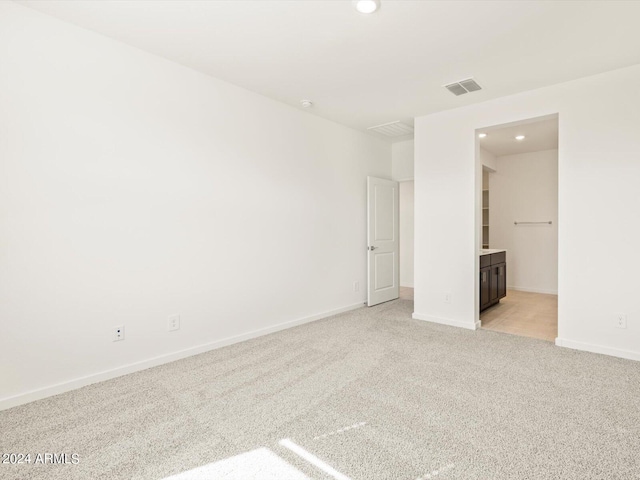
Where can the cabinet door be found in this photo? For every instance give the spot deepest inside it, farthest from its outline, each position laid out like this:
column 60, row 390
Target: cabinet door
column 485, row 287
column 493, row 284
column 502, row 280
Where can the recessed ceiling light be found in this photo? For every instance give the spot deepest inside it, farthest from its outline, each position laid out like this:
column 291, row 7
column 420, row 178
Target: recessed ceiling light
column 482, row 135
column 520, row 137
column 367, row 6
column 306, row 103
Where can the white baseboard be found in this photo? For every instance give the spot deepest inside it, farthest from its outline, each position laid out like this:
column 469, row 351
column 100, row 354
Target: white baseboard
column 80, row 382
column 532, row 290
column 445, row 321
column 407, row 285
column 589, row 347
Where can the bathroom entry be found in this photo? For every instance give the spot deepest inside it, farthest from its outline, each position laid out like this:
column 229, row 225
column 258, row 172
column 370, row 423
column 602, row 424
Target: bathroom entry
column 519, row 227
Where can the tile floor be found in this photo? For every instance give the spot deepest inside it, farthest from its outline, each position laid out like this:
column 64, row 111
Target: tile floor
column 524, row 313
column 406, row 293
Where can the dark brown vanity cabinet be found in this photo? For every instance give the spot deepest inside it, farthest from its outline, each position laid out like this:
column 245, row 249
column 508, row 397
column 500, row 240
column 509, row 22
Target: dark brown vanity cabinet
column 493, row 279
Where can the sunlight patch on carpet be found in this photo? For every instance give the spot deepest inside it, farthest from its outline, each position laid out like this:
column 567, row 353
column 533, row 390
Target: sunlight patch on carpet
column 259, row 464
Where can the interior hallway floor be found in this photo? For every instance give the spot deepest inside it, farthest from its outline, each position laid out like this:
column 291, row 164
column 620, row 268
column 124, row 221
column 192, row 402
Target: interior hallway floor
column 406, row 293
column 526, row 314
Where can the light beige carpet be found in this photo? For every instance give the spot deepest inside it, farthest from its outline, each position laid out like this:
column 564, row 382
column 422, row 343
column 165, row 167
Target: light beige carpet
column 370, row 394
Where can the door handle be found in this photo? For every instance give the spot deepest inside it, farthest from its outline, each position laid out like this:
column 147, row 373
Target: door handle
column 372, row 248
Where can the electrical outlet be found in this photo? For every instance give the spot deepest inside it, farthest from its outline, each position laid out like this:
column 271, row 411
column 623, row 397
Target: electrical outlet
column 621, row 320
column 118, row 333
column 356, row 286
column 174, row 323
column 447, row 297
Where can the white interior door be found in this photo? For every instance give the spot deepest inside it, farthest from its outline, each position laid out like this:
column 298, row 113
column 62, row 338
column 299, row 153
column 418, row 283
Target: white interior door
column 382, row 238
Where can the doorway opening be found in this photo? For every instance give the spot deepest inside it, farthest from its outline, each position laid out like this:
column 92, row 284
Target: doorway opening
column 390, row 221
column 383, row 241
column 518, row 227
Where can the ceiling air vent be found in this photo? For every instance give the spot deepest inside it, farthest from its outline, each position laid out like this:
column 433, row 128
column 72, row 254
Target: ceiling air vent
column 463, row 86
column 393, row 129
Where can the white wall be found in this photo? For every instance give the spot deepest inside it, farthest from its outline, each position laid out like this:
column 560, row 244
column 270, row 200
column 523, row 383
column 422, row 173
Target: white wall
column 525, row 188
column 406, row 234
column 133, row 188
column 488, row 159
column 402, row 155
column 598, row 231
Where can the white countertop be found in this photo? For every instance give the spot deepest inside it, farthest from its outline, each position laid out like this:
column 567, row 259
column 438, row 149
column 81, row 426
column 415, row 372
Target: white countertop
column 487, row 251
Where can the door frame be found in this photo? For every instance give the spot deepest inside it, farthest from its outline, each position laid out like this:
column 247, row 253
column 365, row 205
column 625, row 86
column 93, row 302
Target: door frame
column 478, row 205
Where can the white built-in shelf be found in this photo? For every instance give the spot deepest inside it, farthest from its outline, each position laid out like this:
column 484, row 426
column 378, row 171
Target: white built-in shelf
column 485, row 218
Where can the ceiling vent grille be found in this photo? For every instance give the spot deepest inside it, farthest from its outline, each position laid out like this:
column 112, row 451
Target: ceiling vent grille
column 463, row 86
column 393, row 129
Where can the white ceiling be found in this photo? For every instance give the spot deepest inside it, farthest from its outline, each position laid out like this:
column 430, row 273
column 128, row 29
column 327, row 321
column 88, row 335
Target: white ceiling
column 365, row 70
column 539, row 135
